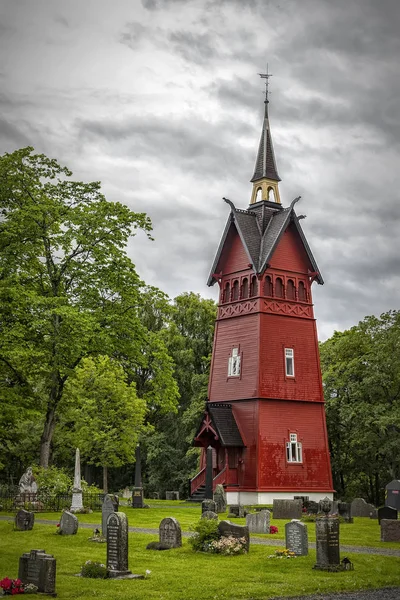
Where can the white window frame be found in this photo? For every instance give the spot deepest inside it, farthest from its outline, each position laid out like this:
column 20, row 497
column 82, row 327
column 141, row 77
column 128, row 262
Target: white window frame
column 294, row 449
column 289, row 362
column 234, row 363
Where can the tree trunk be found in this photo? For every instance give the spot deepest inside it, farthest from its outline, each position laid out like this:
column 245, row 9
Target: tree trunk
column 105, row 479
column 47, row 436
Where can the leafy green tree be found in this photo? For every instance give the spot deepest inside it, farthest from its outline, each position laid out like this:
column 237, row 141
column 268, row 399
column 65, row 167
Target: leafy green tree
column 67, row 289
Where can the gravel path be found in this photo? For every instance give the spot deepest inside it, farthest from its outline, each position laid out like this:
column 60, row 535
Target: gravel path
column 382, row 594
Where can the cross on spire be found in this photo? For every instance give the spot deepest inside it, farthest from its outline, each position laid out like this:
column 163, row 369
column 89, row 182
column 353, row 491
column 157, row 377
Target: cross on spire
column 266, row 76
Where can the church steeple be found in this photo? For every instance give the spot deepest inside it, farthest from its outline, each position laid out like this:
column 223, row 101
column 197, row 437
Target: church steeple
column 265, row 178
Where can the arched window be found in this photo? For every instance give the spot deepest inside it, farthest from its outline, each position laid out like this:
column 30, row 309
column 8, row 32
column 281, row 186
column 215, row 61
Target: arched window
column 235, row 290
column 278, row 288
column 271, row 195
column 302, row 292
column 245, row 288
column 227, row 292
column 259, row 195
column 268, row 286
column 290, row 290
column 253, row 286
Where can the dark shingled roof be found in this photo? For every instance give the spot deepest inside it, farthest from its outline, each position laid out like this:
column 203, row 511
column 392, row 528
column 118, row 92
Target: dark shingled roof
column 260, row 228
column 224, row 423
column 265, row 163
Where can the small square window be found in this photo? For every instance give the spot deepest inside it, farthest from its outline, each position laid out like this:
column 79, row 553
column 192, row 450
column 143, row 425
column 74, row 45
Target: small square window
column 289, row 362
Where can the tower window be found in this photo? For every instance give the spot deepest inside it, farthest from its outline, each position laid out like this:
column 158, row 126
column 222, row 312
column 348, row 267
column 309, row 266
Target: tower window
column 253, row 286
column 259, row 195
column 235, row 290
column 234, row 363
column 268, row 286
column 271, row 195
column 289, row 362
column 227, row 292
column 294, row 450
column 245, row 288
column 302, row 292
column 278, row 288
column 290, row 290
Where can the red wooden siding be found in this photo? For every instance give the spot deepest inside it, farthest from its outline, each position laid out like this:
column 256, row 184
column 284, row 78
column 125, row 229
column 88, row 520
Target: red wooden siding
column 290, row 254
column 278, row 332
column 246, row 415
column 277, row 419
column 238, row 332
column 233, row 257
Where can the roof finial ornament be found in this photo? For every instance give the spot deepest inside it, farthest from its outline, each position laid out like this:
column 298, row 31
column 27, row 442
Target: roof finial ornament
column 266, row 76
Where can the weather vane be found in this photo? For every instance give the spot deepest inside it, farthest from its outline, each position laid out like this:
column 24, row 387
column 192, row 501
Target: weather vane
column 266, row 76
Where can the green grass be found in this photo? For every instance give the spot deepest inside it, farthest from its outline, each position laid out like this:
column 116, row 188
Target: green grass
column 181, row 574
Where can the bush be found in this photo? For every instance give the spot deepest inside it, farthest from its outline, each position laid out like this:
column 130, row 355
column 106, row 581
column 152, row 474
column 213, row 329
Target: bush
column 94, row 570
column 205, row 532
column 51, row 481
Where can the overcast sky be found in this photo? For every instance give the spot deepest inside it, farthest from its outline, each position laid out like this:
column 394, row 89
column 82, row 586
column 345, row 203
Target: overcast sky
column 160, row 100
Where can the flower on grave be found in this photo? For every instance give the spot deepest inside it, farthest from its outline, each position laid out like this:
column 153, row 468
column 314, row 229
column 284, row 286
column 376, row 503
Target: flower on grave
column 229, row 546
column 147, row 573
column 58, row 525
column 12, row 587
column 283, row 554
column 273, row 529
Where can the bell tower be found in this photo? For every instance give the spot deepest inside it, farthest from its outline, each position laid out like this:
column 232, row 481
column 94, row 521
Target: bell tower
column 265, row 417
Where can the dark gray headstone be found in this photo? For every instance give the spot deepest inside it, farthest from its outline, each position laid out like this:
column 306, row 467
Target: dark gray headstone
column 24, row 520
column 287, row 509
column 208, row 491
column 170, row 533
column 220, row 498
column 171, row 495
column 208, row 505
column 137, row 497
column 360, row 508
column 38, row 568
column 393, row 494
column 296, row 536
column 258, row 522
column 68, row 523
column 209, row 514
column 387, row 512
column 107, row 509
column 344, row 510
column 236, row 510
column 327, row 543
column 117, row 544
column 312, row 507
column 390, row 530
column 228, row 529
column 138, row 468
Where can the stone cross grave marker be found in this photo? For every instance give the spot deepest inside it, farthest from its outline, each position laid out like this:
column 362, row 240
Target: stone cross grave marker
column 228, row 529
column 258, row 522
column 117, row 544
column 390, row 530
column 38, row 568
column 287, row 509
column 170, row 533
column 68, row 523
column 24, row 520
column 106, row 510
column 296, row 536
column 387, row 512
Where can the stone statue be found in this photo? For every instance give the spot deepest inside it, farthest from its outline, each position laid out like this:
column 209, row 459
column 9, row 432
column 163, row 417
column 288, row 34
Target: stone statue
column 27, row 483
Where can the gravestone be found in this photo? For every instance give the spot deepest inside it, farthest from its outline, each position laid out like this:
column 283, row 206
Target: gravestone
column 287, row 509
column 106, row 510
column 296, row 536
column 209, row 514
column 228, row 529
column 172, row 495
column 38, row 568
column 259, row 521
column 373, row 514
column 334, row 508
column 390, row 530
column 236, row 510
column 155, row 495
column 170, row 533
column 392, row 494
column 312, row 507
column 137, row 492
column 360, row 508
column 387, row 512
column 68, row 523
column 24, row 520
column 208, row 505
column 127, row 493
column 344, row 510
column 77, row 498
column 327, row 540
column 220, row 498
column 117, row 545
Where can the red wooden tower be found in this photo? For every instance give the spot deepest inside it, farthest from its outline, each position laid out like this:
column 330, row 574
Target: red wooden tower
column 265, row 415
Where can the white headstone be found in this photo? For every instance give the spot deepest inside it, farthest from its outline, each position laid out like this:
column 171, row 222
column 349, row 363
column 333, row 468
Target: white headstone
column 77, row 500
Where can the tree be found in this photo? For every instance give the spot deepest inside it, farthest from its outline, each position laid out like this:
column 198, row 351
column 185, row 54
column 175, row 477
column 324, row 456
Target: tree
column 67, row 288
column 361, row 374
column 106, row 413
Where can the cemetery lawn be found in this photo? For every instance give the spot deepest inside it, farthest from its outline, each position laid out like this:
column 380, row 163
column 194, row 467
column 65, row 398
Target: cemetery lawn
column 183, row 574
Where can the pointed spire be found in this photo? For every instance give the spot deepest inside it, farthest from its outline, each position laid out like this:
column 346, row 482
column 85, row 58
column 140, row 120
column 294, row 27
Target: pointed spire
column 265, row 164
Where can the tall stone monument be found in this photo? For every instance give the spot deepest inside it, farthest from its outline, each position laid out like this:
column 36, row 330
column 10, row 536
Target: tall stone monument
column 137, row 492
column 327, row 539
column 77, row 498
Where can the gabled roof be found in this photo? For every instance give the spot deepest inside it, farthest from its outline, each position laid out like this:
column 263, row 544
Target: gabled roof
column 260, row 229
column 219, row 422
column 265, row 164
